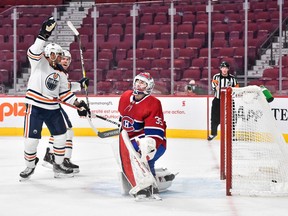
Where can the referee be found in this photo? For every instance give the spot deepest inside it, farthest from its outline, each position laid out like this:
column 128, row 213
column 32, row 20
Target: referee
column 220, row 80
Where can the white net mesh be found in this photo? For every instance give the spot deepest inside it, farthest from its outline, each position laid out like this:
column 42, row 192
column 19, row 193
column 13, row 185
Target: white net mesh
column 259, row 151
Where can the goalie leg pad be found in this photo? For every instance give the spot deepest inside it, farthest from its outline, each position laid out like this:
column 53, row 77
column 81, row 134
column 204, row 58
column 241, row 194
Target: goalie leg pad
column 141, row 173
column 143, row 178
column 125, row 162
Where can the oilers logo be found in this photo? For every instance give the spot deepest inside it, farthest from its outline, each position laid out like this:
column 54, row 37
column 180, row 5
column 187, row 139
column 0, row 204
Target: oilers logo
column 52, row 81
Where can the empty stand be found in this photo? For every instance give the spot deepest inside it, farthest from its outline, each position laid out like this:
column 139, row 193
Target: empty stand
column 143, row 64
column 120, row 86
column 187, row 55
column 160, row 44
column 104, row 87
column 198, row 63
column 151, row 32
column 270, row 74
column 159, row 64
column 191, row 74
column 151, row 54
column 184, row 31
column 144, row 44
column 125, row 65
column 114, row 75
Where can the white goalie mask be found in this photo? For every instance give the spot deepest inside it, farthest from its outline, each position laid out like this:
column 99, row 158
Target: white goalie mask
column 53, row 48
column 144, row 87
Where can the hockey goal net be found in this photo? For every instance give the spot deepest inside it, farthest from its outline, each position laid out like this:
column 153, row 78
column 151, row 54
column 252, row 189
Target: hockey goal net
column 254, row 154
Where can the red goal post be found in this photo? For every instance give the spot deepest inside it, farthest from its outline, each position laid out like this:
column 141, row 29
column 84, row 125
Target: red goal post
column 254, row 154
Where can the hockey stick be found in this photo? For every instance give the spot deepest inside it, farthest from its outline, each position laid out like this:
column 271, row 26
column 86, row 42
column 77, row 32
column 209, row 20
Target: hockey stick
column 76, row 33
column 103, row 134
column 105, row 119
column 92, row 115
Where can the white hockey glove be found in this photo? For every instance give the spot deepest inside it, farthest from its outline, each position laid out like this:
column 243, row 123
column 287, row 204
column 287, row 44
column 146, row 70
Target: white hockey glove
column 147, row 147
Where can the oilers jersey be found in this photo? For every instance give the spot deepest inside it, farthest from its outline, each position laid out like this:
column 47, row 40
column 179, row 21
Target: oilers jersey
column 45, row 83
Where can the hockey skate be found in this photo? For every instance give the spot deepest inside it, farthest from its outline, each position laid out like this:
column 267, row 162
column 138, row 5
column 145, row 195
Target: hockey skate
column 25, row 175
column 67, row 163
column 48, row 159
column 62, row 171
column 149, row 193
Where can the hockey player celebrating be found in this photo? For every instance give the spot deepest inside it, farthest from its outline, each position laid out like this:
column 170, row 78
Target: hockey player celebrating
column 47, row 84
column 143, row 138
column 74, row 86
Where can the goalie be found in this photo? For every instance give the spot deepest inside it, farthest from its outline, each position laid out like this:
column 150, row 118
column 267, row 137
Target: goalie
column 143, row 139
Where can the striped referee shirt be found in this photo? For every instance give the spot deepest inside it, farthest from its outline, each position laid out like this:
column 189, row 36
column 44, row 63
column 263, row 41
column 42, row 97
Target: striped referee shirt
column 223, row 82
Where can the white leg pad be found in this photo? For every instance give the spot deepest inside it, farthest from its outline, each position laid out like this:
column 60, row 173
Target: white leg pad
column 141, row 170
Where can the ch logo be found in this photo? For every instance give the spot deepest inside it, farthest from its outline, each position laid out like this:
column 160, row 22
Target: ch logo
column 127, row 123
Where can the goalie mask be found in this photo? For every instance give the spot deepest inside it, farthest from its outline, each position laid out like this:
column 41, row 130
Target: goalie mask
column 53, row 48
column 143, row 83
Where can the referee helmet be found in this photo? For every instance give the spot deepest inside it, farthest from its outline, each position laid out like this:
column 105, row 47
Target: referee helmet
column 224, row 64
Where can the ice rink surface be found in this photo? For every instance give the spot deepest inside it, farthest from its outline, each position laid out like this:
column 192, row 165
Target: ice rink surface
column 95, row 191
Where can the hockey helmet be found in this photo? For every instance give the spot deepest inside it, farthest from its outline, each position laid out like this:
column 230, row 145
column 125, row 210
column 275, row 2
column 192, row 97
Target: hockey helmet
column 53, row 48
column 224, row 64
column 141, row 89
column 66, row 59
column 66, row 53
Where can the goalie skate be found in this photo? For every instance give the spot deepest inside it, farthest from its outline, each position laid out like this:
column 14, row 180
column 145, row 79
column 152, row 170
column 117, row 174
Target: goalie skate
column 154, row 197
column 148, row 194
column 26, row 174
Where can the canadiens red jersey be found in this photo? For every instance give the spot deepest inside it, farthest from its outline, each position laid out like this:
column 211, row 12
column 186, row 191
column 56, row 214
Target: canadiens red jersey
column 142, row 118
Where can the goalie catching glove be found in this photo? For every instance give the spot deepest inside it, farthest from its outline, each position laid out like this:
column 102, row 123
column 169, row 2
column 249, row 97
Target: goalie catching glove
column 47, row 28
column 83, row 108
column 147, row 146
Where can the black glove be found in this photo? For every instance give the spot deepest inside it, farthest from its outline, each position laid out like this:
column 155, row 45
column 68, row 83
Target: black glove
column 47, row 28
column 83, row 109
column 84, row 82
